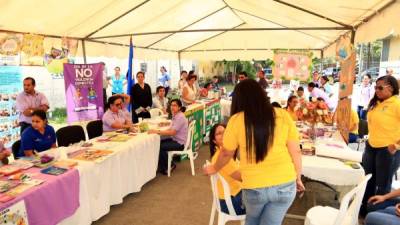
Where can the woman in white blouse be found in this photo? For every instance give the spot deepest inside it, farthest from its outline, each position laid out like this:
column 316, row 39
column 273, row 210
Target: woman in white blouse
column 366, row 92
column 190, row 90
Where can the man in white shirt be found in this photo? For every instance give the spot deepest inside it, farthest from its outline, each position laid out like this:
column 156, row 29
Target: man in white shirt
column 160, row 101
column 28, row 101
column 318, row 93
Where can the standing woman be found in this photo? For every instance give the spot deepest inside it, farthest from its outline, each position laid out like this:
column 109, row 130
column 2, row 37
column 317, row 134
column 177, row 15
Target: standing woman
column 190, row 90
column 182, row 81
column 38, row 137
column 141, row 98
column 381, row 158
column 365, row 94
column 270, row 158
column 165, row 79
column 118, row 82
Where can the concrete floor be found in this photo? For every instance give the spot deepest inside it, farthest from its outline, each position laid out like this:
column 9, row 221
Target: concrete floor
column 184, row 199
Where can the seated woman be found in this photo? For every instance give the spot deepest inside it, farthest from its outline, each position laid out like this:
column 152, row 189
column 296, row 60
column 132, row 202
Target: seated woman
column 204, row 91
column 353, row 128
column 230, row 172
column 160, row 101
column 178, row 135
column 38, row 137
column 292, row 108
column 115, row 117
column 189, row 93
column 4, row 153
column 384, row 209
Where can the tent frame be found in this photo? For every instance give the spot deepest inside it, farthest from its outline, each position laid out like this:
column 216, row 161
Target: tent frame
column 342, row 26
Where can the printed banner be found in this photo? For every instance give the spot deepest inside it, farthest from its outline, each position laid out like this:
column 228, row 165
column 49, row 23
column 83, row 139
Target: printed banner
column 292, row 65
column 58, row 55
column 83, row 91
column 10, row 46
column 14, row 215
column 32, row 50
column 343, row 114
column 10, row 86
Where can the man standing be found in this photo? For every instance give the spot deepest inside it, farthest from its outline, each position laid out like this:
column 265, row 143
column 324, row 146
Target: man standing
column 262, row 81
column 28, row 101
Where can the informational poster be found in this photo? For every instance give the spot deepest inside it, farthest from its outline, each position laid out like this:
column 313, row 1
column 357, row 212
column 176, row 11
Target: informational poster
column 10, row 46
column 32, row 50
column 343, row 114
column 83, row 91
column 57, row 55
column 347, row 76
column 291, row 65
column 10, row 86
column 14, row 215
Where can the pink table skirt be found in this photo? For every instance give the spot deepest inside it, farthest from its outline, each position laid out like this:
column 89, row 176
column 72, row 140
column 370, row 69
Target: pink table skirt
column 52, row 201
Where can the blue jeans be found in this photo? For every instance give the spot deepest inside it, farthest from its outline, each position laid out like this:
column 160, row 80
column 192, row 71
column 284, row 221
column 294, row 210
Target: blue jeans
column 362, row 113
column 268, row 206
column 236, row 202
column 353, row 138
column 382, row 165
column 383, row 205
column 383, row 217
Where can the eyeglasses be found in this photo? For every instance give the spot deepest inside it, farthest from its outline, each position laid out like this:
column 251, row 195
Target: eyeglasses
column 381, row 87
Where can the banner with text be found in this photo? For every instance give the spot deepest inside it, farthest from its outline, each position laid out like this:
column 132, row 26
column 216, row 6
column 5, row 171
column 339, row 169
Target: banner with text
column 83, row 91
column 10, row 86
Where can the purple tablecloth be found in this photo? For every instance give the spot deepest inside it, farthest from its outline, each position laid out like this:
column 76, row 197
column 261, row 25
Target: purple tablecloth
column 52, row 201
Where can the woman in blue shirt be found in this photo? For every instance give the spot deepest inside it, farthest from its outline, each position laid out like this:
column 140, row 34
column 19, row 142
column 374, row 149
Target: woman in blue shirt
column 118, row 82
column 38, row 137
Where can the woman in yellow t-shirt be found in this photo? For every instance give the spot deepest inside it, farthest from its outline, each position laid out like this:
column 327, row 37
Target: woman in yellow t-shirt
column 230, row 172
column 270, row 158
column 292, row 108
column 381, row 158
column 353, row 128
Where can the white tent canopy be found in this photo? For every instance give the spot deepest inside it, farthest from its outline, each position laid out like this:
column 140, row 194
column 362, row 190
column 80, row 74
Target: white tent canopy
column 206, row 29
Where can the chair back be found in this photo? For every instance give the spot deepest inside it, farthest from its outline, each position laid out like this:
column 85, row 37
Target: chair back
column 94, row 128
column 227, row 192
column 155, row 112
column 15, row 148
column 351, row 203
column 189, row 139
column 362, row 128
column 70, row 135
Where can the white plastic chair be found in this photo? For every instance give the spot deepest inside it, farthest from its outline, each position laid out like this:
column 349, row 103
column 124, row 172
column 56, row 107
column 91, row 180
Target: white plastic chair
column 155, row 112
column 186, row 151
column 216, row 207
column 346, row 215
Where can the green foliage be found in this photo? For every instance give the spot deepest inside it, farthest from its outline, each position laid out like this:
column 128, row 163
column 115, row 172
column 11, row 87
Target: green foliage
column 250, row 67
column 59, row 115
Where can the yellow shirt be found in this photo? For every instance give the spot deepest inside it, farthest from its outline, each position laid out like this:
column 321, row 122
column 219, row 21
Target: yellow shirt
column 277, row 167
column 384, row 123
column 354, row 122
column 226, row 171
column 292, row 114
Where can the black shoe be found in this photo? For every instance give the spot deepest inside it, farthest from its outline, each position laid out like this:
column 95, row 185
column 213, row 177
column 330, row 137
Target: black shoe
column 165, row 172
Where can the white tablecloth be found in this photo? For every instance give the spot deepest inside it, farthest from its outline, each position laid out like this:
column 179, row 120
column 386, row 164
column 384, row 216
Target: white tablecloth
column 105, row 183
column 331, row 171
